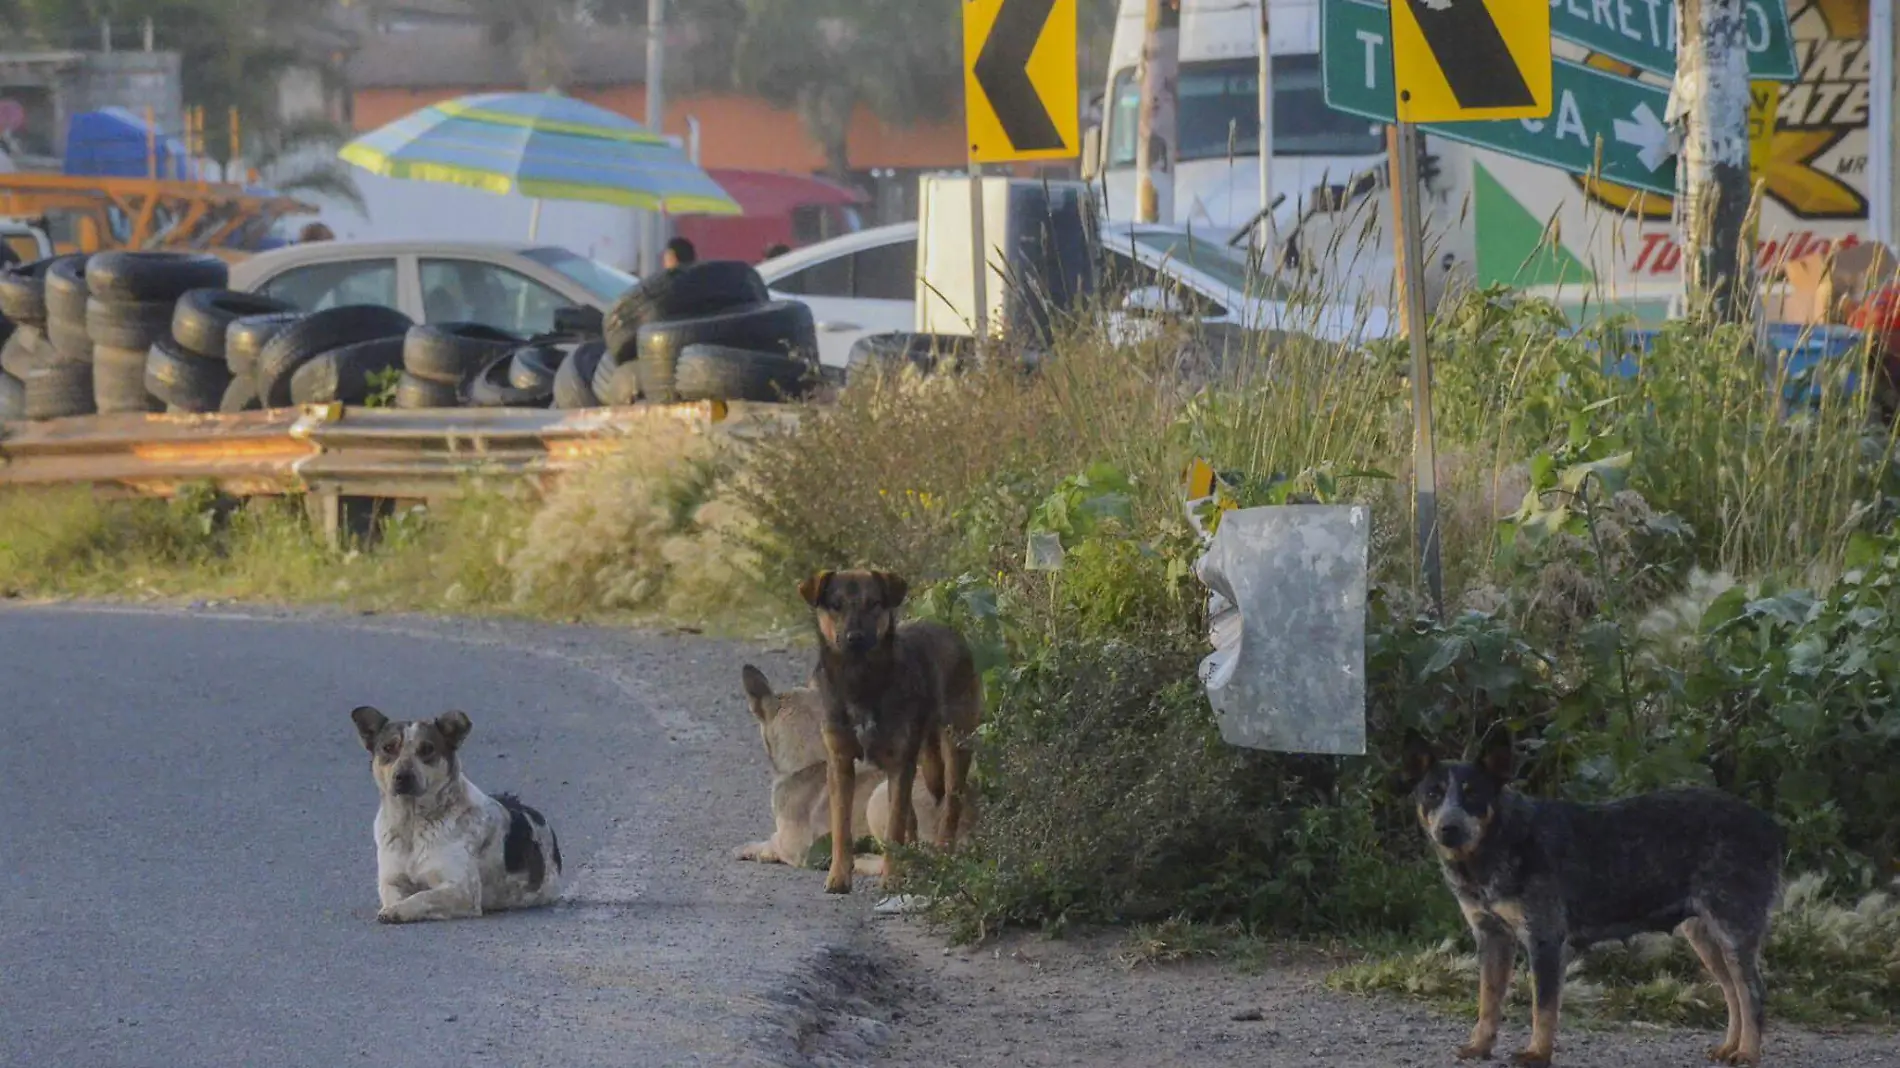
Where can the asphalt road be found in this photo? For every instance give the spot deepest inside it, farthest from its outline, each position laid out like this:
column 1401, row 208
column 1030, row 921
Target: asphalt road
column 187, row 875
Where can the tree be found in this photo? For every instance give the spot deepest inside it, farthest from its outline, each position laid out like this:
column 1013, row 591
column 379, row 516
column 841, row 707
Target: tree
column 827, row 58
column 1712, row 58
column 234, row 54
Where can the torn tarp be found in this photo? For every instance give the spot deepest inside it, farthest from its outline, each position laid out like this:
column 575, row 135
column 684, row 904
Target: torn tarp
column 1288, row 622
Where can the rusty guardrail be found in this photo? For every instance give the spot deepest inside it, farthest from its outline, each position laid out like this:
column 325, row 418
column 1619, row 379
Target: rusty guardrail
column 334, row 451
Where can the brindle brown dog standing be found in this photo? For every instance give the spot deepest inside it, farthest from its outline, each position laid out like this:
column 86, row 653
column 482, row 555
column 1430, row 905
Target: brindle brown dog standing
column 902, row 697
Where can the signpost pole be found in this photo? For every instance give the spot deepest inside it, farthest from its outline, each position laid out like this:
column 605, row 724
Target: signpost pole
column 655, row 226
column 979, row 268
column 1424, row 454
column 1266, row 132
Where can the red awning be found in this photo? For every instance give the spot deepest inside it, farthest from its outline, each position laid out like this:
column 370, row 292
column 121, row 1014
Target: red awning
column 772, row 193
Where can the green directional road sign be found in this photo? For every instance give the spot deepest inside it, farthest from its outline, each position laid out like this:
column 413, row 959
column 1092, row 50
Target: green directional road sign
column 1643, row 33
column 1599, row 123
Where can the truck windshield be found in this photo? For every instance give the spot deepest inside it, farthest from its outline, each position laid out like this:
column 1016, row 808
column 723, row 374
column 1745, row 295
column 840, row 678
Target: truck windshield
column 1220, row 108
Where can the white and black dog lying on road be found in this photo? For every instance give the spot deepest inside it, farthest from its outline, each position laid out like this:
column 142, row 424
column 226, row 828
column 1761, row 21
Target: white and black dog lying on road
column 444, row 849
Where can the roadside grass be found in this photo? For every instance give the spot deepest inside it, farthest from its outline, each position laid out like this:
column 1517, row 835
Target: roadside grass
column 648, row 535
column 1827, row 963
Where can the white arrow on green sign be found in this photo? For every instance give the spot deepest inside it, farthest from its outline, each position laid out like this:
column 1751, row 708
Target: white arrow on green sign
column 1643, row 33
column 1599, row 123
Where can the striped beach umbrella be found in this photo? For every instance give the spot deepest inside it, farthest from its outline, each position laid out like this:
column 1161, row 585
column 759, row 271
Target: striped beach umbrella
column 541, row 145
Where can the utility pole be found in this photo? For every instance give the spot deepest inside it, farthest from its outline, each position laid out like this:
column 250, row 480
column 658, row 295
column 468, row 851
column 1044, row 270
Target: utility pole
column 1266, row 131
column 1713, row 191
column 1154, row 154
column 656, row 119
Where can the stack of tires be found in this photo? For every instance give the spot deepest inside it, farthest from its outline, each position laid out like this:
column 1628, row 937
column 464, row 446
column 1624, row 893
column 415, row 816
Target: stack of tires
column 48, row 353
column 338, row 354
column 708, row 331
column 198, row 372
column 25, row 349
column 137, row 366
column 441, row 360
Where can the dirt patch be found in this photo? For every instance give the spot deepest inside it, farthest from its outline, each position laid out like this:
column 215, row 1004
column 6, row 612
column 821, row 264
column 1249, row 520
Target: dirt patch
column 1029, row 1001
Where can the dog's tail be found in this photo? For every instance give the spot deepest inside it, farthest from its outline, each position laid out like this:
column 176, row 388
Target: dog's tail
column 756, row 685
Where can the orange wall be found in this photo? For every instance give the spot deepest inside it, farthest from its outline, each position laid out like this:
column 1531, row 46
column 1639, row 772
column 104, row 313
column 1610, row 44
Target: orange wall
column 734, row 130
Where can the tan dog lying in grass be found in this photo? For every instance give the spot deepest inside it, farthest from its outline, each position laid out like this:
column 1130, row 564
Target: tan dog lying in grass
column 792, row 726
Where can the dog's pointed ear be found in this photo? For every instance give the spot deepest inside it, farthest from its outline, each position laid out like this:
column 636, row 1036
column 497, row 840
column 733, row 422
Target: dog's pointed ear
column 894, row 586
column 1497, row 754
column 758, row 692
column 454, row 728
column 813, row 588
column 369, row 723
column 1418, row 759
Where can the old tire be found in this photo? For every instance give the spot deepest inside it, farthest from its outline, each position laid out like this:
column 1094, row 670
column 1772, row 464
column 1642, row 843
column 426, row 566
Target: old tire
column 413, row 393
column 57, row 390
column 128, row 324
column 316, row 334
column 453, row 353
column 621, row 384
column 12, row 399
column 26, row 349
column 535, row 366
column 66, row 290
column 574, row 380
column 128, row 276
column 345, row 374
column 23, row 293
column 183, row 381
column 716, row 372
column 239, row 396
column 246, row 337
column 783, row 327
column 202, row 318
column 688, row 292
column 118, row 381
column 491, row 388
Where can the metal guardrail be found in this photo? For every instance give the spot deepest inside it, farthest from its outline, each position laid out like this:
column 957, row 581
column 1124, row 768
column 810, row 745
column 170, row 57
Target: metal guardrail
column 332, row 451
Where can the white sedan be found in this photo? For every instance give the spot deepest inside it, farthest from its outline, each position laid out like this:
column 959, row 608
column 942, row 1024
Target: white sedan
column 865, row 283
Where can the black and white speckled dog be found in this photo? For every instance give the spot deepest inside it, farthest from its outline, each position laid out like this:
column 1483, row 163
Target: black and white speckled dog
column 444, row 849
column 1552, row 874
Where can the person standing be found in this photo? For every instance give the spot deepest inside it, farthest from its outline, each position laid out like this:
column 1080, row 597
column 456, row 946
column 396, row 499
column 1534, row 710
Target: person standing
column 679, row 252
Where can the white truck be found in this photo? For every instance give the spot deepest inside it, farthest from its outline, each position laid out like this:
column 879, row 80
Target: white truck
column 1495, row 219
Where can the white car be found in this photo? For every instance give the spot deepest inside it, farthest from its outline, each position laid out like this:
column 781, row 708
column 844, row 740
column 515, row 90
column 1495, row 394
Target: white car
column 866, row 283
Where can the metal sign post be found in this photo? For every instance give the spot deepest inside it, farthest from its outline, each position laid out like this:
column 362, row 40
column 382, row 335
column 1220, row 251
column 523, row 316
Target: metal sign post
column 1424, row 452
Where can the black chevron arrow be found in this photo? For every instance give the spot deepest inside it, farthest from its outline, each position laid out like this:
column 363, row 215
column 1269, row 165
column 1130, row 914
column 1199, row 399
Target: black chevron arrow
column 1002, row 70
column 1472, row 53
